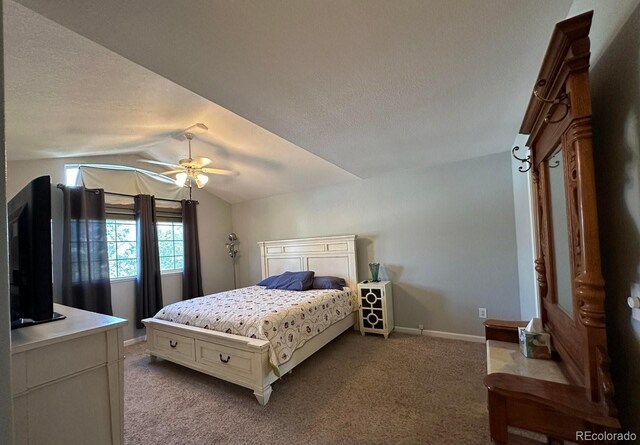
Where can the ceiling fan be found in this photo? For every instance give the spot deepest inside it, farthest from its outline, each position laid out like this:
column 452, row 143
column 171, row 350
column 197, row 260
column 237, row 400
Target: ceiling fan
column 191, row 170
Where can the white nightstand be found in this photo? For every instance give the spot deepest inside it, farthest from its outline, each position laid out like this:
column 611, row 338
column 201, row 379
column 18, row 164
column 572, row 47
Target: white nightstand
column 376, row 307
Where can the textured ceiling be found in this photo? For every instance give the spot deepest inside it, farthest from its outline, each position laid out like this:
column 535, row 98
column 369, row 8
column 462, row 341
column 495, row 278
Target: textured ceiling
column 369, row 85
column 67, row 96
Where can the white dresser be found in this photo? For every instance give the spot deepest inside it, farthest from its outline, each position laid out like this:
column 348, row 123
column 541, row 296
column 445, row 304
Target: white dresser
column 68, row 380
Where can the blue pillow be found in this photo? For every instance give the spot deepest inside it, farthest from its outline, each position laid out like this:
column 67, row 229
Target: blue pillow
column 268, row 281
column 293, row 281
column 328, row 283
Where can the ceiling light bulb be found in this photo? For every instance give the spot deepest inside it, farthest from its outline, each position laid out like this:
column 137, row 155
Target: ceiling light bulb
column 202, row 180
column 181, row 178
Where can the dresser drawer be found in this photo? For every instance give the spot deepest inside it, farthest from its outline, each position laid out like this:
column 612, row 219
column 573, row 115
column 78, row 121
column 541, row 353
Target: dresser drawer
column 175, row 345
column 19, row 373
column 228, row 361
column 52, row 362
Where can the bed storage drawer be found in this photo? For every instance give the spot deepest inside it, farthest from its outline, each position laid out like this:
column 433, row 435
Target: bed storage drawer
column 175, row 345
column 227, row 360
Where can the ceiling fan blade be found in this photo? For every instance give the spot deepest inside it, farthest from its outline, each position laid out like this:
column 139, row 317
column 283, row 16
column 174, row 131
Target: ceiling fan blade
column 220, row 171
column 201, row 161
column 171, row 172
column 149, row 161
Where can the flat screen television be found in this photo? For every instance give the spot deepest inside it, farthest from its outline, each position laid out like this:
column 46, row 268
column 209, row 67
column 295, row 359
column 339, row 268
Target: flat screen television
column 30, row 272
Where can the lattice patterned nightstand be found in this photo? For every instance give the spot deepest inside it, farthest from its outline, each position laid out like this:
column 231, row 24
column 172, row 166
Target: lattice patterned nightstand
column 376, row 307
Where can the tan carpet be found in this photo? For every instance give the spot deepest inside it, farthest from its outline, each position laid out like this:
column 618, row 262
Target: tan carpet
column 356, row 390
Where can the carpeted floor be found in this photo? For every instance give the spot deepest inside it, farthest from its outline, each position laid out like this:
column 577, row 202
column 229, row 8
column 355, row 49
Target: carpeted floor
column 356, row 390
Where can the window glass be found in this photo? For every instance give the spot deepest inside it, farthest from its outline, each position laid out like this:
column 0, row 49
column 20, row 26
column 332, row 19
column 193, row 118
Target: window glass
column 121, row 239
column 71, row 175
column 170, row 245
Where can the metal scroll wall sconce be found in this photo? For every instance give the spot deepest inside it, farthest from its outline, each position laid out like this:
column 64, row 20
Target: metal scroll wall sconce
column 527, row 161
column 562, row 100
column 233, row 253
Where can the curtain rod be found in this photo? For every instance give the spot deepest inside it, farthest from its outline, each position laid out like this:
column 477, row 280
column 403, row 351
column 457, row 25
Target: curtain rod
column 60, row 186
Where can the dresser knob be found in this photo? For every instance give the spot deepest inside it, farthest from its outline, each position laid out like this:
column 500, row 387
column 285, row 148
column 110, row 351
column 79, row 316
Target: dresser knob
column 173, row 344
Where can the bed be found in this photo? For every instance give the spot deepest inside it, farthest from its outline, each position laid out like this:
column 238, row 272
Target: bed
column 237, row 353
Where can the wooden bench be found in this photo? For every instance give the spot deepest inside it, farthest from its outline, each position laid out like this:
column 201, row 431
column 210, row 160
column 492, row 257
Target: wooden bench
column 533, row 394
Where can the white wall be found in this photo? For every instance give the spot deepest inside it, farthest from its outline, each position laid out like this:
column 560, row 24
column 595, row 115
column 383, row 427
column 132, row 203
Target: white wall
column 445, row 236
column 123, row 303
column 522, row 204
column 214, row 224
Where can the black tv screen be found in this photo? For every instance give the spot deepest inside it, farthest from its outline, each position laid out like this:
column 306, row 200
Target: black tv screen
column 30, row 274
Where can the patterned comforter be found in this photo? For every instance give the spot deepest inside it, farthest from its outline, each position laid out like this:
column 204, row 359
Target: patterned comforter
column 287, row 319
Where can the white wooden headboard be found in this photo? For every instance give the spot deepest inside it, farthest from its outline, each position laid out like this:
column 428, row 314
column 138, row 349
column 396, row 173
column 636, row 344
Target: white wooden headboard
column 327, row 255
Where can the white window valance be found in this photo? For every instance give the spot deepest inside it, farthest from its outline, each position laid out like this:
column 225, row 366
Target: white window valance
column 129, row 181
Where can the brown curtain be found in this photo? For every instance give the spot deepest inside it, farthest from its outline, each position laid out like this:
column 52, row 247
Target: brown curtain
column 191, row 274
column 85, row 258
column 148, row 282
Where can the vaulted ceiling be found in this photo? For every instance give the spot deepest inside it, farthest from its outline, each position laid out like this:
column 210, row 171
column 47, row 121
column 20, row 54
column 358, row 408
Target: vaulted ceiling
column 67, row 96
column 370, row 86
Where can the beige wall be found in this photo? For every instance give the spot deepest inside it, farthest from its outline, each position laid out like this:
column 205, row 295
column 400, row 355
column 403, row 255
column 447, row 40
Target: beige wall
column 214, row 224
column 445, row 236
column 616, row 128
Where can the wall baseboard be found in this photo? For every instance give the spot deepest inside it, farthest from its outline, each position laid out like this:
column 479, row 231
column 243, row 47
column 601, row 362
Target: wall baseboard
column 133, row 341
column 440, row 334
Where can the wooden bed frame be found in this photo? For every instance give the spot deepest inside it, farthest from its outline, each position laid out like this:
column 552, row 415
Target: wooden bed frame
column 243, row 360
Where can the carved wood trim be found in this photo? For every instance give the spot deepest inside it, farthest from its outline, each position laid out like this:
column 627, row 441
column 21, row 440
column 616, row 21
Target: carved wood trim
column 540, row 266
column 608, row 391
column 589, row 283
column 577, row 337
column 555, row 67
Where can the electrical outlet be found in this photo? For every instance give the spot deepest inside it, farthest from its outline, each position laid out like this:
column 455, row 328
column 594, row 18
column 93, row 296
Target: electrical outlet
column 421, row 327
column 482, row 312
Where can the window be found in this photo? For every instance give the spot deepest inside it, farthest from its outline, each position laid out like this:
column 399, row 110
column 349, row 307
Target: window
column 122, row 233
column 170, row 246
column 121, row 238
column 71, row 175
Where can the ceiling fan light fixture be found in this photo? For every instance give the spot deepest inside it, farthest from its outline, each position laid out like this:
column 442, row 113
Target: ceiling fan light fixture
column 192, row 170
column 202, row 179
column 181, row 179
